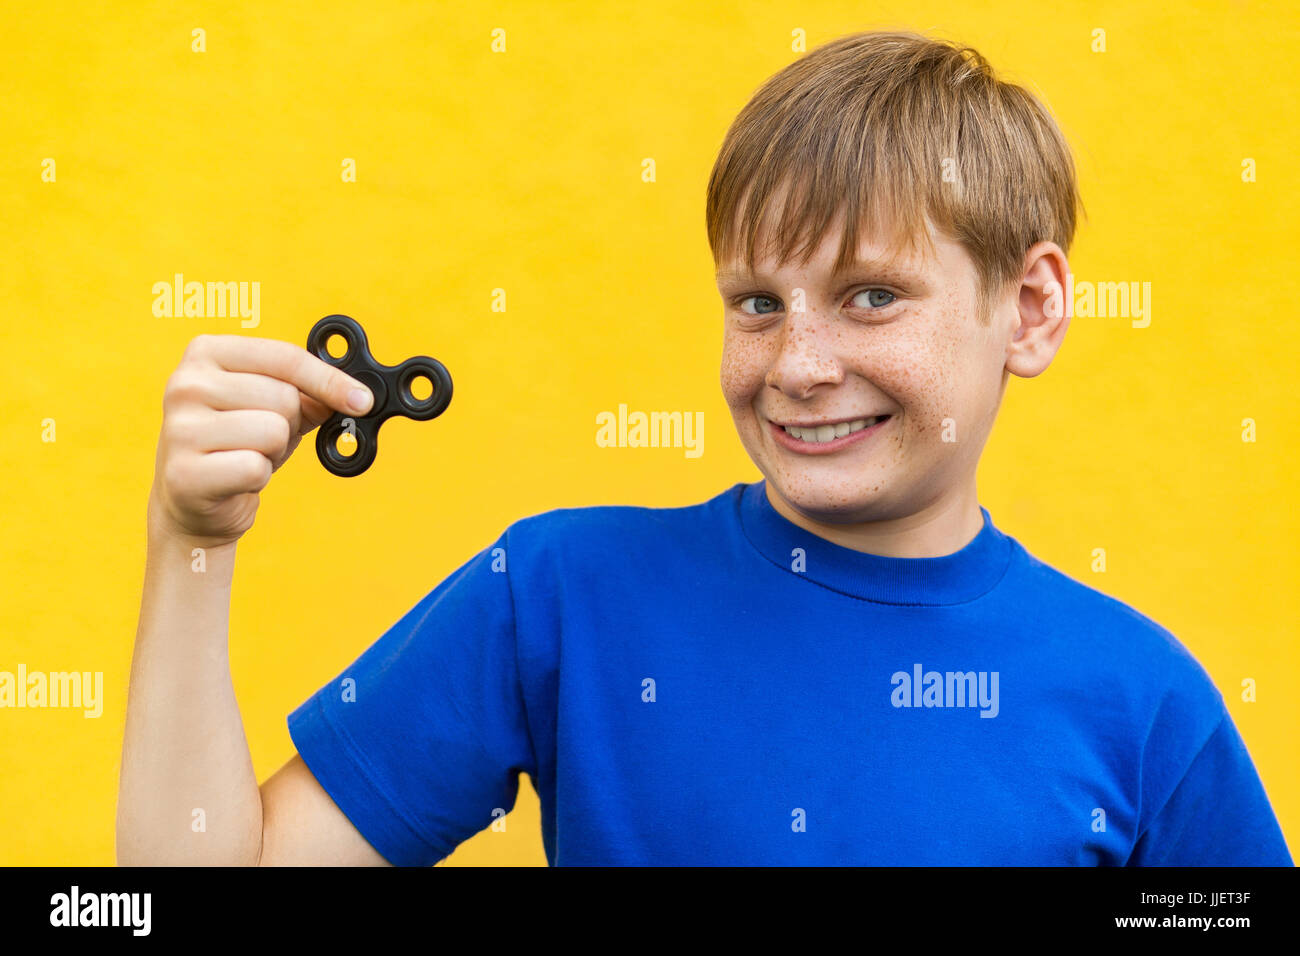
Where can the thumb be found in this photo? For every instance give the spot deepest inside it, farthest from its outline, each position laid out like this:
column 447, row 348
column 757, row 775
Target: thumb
column 314, row 412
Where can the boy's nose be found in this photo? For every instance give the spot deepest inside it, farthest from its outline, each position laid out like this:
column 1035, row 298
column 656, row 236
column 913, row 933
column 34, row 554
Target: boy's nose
column 805, row 360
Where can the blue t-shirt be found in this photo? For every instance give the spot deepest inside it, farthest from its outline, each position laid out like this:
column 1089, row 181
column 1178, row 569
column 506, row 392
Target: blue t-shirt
column 714, row 685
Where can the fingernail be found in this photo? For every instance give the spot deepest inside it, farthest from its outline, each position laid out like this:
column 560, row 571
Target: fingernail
column 359, row 399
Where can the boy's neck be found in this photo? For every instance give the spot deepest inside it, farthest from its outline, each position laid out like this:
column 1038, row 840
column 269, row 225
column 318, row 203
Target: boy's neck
column 942, row 528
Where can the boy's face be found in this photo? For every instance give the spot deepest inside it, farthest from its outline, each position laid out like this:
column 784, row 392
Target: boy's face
column 898, row 338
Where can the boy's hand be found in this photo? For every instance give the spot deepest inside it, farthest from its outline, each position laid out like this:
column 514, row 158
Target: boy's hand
column 233, row 412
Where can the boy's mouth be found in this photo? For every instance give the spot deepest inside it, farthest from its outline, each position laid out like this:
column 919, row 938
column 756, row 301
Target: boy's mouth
column 822, row 438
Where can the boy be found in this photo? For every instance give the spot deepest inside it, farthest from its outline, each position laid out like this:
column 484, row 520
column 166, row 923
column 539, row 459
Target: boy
column 846, row 663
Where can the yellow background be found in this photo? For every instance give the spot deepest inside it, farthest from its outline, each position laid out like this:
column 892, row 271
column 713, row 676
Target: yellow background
column 522, row 171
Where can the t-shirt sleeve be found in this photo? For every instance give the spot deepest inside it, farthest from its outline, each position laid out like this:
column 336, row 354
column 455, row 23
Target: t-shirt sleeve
column 1217, row 815
column 420, row 741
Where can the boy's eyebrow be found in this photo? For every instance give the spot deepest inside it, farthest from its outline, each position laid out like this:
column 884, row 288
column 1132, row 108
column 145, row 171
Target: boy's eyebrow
column 883, row 264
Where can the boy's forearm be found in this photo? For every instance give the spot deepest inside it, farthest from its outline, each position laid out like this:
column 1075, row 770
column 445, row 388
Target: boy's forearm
column 187, row 793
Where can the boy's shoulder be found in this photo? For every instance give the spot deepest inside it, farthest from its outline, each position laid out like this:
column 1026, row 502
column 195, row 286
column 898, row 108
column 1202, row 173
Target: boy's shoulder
column 1073, row 616
column 1109, row 640
column 1082, row 635
column 599, row 530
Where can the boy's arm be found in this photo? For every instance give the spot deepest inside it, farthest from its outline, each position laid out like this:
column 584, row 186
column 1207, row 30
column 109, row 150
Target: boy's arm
column 184, row 749
column 187, row 794
column 302, row 826
column 233, row 412
column 1218, row 815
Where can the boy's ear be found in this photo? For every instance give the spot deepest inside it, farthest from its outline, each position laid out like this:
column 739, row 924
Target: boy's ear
column 1042, row 312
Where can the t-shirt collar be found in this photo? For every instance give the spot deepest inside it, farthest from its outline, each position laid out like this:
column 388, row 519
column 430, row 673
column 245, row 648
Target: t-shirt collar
column 951, row 579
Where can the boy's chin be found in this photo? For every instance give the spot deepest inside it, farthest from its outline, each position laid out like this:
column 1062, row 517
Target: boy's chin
column 837, row 504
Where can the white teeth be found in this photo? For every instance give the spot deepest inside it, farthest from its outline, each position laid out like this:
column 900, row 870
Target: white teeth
column 825, row 433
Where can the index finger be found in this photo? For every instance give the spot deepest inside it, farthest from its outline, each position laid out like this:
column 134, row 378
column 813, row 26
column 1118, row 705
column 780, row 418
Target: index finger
column 293, row 364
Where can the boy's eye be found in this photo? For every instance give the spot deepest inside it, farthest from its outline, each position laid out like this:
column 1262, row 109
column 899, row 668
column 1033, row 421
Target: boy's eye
column 760, row 301
column 877, row 298
column 766, row 304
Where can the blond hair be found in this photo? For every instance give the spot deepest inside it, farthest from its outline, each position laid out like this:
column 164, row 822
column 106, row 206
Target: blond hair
column 893, row 128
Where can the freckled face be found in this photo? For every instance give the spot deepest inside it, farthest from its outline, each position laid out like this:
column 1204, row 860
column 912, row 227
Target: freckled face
column 895, row 337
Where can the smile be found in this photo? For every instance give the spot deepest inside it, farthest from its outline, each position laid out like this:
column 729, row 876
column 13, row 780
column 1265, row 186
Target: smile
column 823, row 439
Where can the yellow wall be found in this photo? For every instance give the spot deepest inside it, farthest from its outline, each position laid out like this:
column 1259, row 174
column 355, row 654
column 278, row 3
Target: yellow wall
column 522, row 171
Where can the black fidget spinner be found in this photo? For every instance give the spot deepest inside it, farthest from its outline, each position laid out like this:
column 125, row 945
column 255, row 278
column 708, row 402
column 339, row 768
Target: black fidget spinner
column 391, row 386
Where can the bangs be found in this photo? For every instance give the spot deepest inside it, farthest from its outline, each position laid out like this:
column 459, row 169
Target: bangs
column 793, row 217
